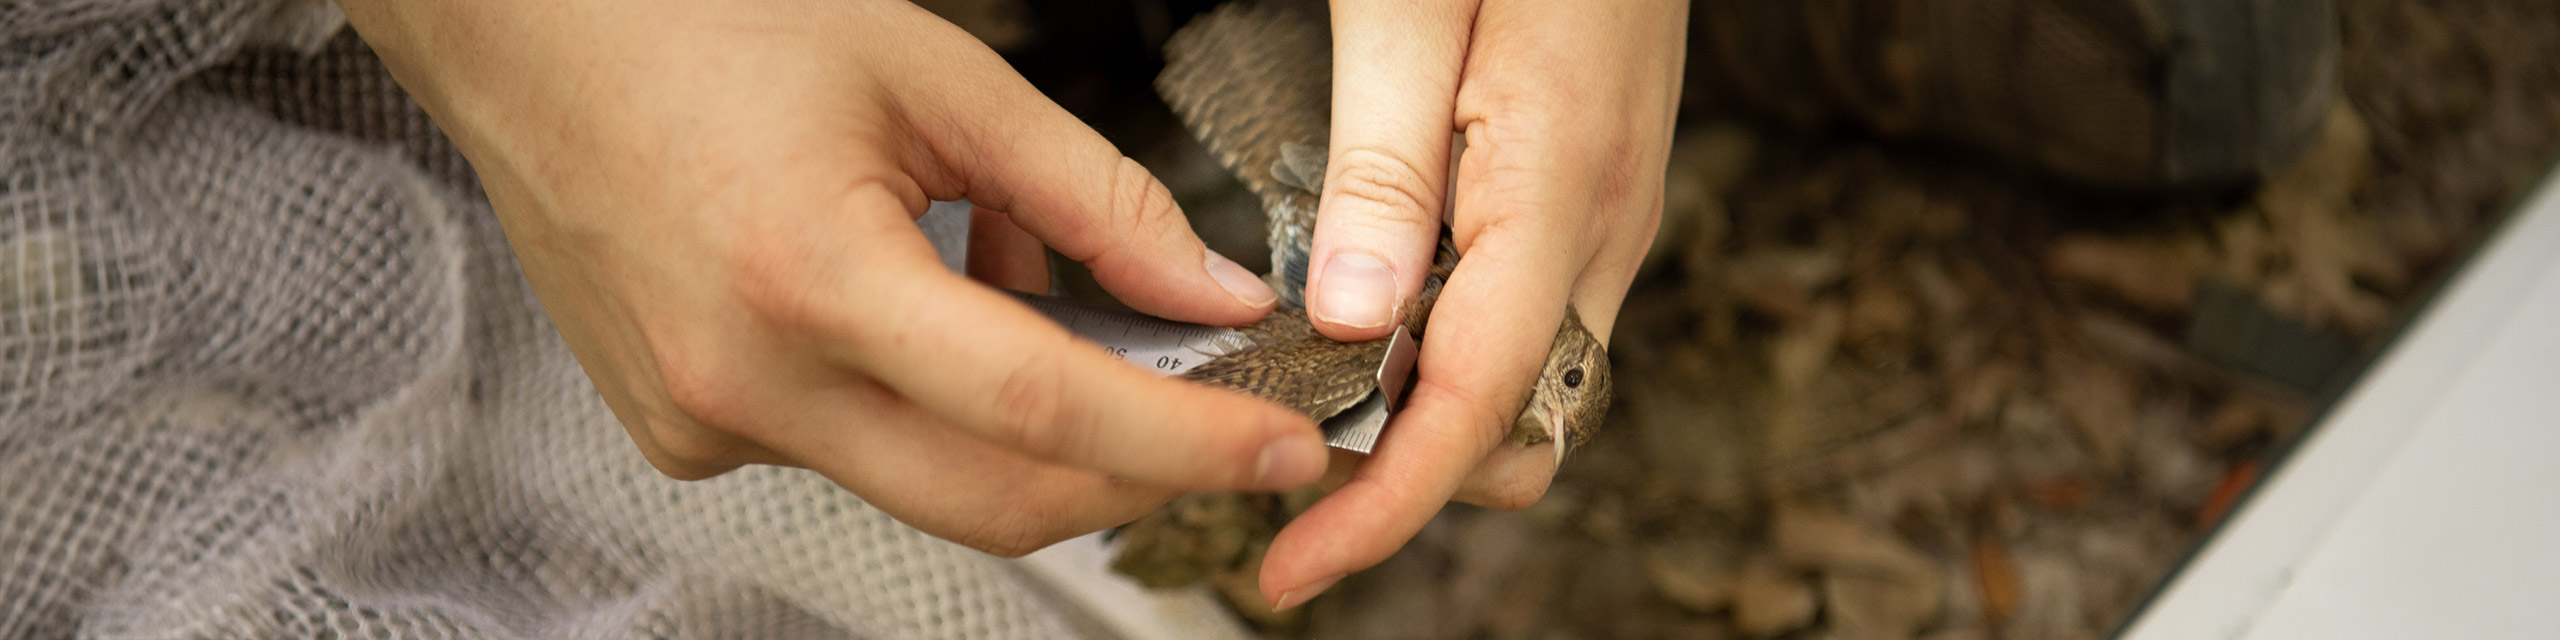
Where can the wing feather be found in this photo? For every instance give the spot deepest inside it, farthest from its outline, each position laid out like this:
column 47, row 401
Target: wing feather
column 1291, row 364
column 1252, row 80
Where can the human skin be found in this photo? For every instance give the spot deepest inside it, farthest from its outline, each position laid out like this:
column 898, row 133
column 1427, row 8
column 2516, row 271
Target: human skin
column 715, row 203
column 1566, row 111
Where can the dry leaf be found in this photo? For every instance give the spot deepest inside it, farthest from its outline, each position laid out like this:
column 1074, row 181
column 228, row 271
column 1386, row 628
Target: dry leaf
column 1769, row 600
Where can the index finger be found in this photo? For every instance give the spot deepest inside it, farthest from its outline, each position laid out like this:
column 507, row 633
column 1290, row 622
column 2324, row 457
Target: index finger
column 990, row 365
column 1488, row 336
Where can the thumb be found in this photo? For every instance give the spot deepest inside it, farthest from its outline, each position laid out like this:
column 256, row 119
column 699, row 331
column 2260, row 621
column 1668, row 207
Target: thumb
column 1015, row 151
column 1395, row 76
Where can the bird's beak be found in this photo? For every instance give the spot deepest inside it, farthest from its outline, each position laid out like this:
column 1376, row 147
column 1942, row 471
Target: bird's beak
column 1555, row 433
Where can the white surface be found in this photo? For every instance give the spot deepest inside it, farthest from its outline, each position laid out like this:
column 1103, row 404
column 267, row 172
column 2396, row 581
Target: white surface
column 1080, row 570
column 2428, row 504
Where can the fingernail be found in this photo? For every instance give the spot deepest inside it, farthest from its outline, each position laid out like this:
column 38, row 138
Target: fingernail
column 1288, row 462
column 1240, row 283
column 1301, row 595
column 1358, row 291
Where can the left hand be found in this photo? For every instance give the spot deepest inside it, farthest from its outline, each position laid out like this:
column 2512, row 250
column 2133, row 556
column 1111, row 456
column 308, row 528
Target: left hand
column 1567, row 112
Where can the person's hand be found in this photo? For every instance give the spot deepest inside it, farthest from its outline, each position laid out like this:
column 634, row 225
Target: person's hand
column 715, row 203
column 1566, row 110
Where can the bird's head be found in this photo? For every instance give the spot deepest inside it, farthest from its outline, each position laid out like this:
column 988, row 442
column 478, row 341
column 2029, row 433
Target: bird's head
column 1571, row 396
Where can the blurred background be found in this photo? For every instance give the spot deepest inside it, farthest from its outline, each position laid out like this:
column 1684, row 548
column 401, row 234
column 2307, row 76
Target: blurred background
column 1964, row 321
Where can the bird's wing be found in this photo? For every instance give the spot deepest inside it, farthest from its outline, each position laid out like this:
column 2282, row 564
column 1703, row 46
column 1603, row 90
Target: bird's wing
column 1254, row 81
column 1291, row 364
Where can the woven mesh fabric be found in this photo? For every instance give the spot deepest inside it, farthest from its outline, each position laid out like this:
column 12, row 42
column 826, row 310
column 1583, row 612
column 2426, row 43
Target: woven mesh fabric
column 267, row 369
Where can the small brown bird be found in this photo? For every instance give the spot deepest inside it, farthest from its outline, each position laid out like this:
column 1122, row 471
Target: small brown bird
column 1254, row 82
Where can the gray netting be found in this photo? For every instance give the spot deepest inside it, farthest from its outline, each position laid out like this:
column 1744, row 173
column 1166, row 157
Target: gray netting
column 267, row 369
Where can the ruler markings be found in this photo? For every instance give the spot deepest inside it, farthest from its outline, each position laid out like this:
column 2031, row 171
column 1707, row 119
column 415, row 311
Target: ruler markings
column 1171, row 348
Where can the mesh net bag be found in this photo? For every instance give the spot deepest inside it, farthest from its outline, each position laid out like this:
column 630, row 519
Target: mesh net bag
column 267, row 369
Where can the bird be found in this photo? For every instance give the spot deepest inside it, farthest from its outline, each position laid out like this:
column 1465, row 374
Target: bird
column 1253, row 81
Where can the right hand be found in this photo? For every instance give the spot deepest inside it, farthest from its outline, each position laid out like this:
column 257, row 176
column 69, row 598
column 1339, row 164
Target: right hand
column 715, row 203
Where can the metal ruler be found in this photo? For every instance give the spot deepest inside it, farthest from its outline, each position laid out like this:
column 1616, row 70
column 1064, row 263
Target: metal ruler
column 1170, row 348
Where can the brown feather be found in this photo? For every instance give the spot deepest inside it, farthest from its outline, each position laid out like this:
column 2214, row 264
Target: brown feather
column 1291, row 364
column 1252, row 78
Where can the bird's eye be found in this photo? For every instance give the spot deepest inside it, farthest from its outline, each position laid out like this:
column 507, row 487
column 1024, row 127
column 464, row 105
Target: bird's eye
column 1573, row 378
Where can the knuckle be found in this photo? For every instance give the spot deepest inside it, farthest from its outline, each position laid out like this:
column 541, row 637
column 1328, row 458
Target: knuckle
column 708, row 424
column 1394, row 185
column 685, row 451
column 698, row 395
column 791, row 275
column 784, row 288
column 762, row 282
